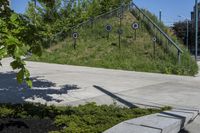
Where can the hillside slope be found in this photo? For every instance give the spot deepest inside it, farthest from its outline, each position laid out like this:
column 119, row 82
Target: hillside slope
column 95, row 49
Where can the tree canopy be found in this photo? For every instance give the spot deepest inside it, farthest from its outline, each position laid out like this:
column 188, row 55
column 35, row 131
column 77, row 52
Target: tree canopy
column 17, row 38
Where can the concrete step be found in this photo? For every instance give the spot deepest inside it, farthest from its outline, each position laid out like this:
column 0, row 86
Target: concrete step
column 165, row 122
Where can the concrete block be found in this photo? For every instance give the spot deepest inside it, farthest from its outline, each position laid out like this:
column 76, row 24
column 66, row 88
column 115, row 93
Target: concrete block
column 129, row 128
column 165, row 122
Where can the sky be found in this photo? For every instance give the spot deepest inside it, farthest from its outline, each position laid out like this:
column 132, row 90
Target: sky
column 171, row 9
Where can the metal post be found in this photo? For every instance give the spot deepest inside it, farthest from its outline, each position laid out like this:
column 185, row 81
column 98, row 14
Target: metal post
column 160, row 15
column 135, row 34
column 179, row 57
column 119, row 41
column 196, row 29
column 120, row 25
column 74, row 43
column 187, row 36
column 154, row 49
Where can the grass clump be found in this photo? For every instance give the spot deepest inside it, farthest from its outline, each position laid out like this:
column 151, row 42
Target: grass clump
column 89, row 118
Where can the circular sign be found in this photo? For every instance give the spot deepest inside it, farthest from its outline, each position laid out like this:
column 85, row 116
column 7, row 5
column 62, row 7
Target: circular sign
column 135, row 26
column 108, row 28
column 154, row 39
column 75, row 35
column 120, row 31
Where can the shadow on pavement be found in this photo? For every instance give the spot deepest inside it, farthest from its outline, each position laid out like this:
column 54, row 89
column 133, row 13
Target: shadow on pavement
column 10, row 125
column 184, row 131
column 119, row 99
column 12, row 92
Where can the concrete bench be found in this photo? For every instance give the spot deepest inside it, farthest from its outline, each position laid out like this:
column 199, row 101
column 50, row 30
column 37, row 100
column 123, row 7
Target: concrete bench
column 165, row 122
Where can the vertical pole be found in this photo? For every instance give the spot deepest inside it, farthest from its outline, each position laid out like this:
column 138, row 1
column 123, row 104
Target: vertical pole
column 196, row 29
column 135, row 34
column 120, row 25
column 119, row 41
column 74, row 43
column 154, row 49
column 160, row 15
column 187, row 36
column 179, row 57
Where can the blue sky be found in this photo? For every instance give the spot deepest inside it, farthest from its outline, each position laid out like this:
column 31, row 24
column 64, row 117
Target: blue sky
column 171, row 9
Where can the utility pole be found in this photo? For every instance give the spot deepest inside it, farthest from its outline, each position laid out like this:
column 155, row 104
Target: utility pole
column 196, row 28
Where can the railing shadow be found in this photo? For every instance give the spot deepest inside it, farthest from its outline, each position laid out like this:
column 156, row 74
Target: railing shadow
column 119, row 99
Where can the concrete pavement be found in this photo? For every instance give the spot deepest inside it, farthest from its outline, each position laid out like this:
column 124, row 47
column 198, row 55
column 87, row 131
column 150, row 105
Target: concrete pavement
column 73, row 85
column 80, row 84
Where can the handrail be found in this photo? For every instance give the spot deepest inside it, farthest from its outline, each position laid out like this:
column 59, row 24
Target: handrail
column 125, row 7
column 158, row 28
column 97, row 17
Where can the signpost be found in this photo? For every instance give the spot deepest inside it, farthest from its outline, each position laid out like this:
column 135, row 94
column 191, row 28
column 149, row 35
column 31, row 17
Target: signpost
column 154, row 46
column 75, row 36
column 120, row 32
column 135, row 26
column 108, row 29
column 91, row 21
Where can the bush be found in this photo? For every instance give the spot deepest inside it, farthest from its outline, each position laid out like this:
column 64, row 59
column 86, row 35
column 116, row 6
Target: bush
column 80, row 119
column 6, row 112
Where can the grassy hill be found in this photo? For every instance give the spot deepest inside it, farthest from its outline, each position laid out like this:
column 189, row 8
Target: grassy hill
column 95, row 50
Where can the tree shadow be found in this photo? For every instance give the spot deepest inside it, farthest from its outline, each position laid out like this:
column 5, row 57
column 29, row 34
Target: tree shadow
column 12, row 92
column 11, row 125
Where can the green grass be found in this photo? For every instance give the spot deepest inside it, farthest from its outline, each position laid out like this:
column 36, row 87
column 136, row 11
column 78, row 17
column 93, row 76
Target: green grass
column 94, row 50
column 88, row 118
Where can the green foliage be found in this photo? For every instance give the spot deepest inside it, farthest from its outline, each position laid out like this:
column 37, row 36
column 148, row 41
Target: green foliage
column 17, row 39
column 96, row 119
column 80, row 119
column 6, row 112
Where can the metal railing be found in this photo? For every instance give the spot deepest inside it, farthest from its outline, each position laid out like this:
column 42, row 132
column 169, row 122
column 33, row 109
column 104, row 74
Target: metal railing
column 89, row 21
column 157, row 32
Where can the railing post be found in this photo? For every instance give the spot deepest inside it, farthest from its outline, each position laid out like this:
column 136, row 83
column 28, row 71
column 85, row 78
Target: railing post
column 179, row 57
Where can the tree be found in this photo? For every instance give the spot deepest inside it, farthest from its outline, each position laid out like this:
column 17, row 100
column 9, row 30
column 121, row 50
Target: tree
column 180, row 29
column 17, row 35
